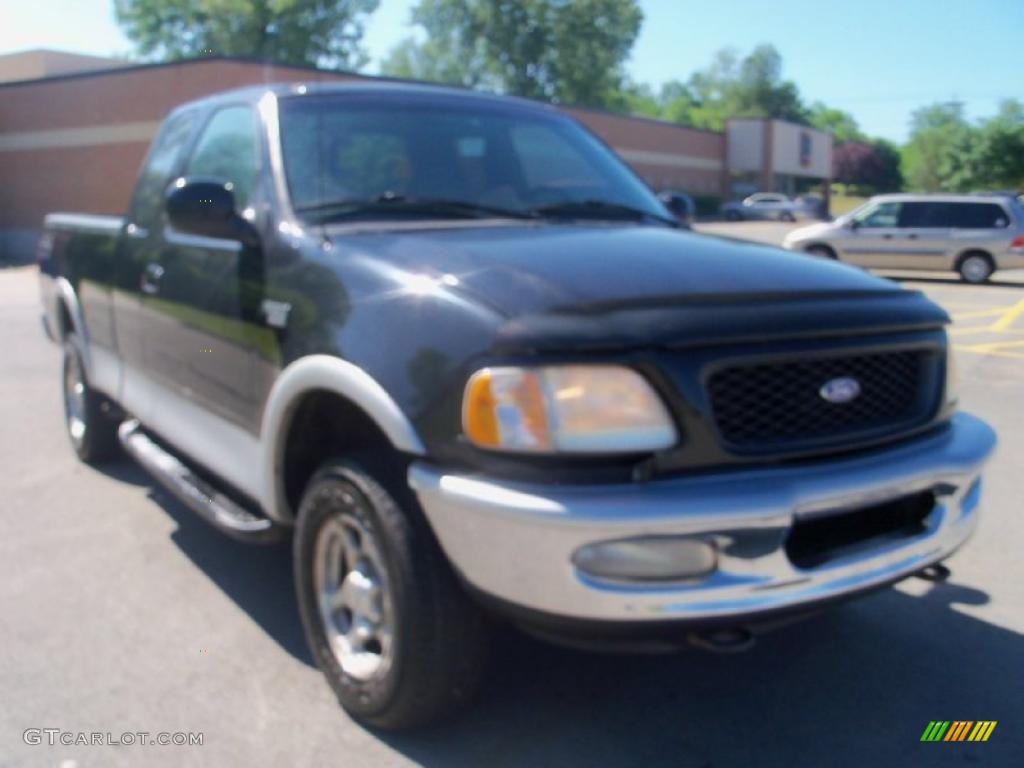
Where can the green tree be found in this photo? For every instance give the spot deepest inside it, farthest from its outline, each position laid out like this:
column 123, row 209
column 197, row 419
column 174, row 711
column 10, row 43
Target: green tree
column 300, row 32
column 567, row 51
column 731, row 86
column 890, row 177
column 640, row 99
column 453, row 51
column 840, row 124
column 677, row 103
column 1000, row 151
column 947, row 153
column 940, row 155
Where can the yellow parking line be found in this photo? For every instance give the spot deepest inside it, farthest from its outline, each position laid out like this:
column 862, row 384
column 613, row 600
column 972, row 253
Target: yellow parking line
column 996, row 348
column 968, row 331
column 981, row 313
column 1004, row 322
column 976, row 329
column 992, row 345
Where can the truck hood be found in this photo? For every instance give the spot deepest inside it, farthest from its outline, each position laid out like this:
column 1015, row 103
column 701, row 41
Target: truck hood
column 533, row 272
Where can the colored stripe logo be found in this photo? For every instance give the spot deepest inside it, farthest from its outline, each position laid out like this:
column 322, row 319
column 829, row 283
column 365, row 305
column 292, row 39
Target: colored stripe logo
column 958, row 730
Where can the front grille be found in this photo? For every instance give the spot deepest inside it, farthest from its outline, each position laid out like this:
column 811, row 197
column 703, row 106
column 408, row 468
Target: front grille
column 778, row 405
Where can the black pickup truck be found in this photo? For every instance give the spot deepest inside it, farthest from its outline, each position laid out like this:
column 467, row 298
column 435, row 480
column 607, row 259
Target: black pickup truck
column 456, row 349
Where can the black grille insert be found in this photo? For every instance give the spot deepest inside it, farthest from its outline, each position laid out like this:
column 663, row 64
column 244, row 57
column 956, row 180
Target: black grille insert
column 778, row 405
column 816, row 541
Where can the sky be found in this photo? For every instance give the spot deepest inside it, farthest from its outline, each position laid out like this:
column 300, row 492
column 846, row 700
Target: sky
column 877, row 59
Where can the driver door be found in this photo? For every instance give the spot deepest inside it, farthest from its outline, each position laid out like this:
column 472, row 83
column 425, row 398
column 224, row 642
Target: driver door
column 873, row 239
column 204, row 327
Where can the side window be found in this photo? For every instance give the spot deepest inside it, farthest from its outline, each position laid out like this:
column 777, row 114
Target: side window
column 935, row 215
column 979, row 216
column 228, row 149
column 920, row 215
column 147, row 202
column 879, row 215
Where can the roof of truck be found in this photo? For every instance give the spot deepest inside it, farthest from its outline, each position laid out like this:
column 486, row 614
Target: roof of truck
column 254, row 93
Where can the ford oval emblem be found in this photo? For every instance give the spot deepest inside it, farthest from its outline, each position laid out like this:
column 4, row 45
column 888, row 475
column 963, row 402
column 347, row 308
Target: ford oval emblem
column 841, row 390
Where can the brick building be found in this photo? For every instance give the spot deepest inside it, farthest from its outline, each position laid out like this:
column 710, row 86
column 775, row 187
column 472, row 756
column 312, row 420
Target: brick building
column 74, row 130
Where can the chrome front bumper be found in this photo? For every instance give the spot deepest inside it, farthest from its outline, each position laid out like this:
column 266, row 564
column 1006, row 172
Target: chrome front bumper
column 515, row 541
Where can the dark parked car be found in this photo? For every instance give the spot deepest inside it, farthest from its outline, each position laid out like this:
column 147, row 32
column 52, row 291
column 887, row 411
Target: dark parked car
column 460, row 353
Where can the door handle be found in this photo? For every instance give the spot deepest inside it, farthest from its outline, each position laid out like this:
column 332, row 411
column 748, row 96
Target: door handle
column 887, row 237
column 150, row 282
column 911, row 237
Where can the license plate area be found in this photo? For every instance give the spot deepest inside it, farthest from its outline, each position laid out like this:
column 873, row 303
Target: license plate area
column 816, row 541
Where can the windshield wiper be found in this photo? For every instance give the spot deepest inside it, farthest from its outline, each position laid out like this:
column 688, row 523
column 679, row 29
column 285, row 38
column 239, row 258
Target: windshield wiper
column 598, row 209
column 390, row 203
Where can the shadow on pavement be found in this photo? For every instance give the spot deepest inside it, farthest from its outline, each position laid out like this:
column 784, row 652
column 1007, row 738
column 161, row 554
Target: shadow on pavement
column 257, row 577
column 853, row 686
column 124, row 470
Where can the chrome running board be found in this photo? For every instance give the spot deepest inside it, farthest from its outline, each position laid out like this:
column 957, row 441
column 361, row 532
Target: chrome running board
column 196, row 493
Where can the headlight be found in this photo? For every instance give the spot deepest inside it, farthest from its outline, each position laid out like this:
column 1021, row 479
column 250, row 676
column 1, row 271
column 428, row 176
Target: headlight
column 570, row 408
column 952, row 390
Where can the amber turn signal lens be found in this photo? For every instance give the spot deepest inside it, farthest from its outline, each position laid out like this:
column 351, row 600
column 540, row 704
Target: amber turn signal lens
column 504, row 408
column 479, row 419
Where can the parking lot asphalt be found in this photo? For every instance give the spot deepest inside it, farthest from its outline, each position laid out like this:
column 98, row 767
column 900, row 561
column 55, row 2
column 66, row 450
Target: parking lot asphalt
column 120, row 611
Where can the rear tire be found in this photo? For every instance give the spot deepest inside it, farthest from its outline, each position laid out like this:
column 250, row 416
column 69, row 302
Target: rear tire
column 394, row 633
column 787, row 216
column 976, row 268
column 90, row 427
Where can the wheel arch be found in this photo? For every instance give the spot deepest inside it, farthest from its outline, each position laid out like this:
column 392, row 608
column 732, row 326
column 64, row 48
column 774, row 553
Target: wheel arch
column 806, row 248
column 971, row 251
column 317, row 382
column 68, row 314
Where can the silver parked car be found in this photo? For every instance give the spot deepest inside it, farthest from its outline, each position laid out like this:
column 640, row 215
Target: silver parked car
column 761, row 205
column 971, row 234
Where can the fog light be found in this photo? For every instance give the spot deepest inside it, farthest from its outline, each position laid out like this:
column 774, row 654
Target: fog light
column 646, row 559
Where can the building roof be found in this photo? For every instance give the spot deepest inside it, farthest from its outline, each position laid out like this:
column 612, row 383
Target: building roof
column 115, row 67
column 38, row 63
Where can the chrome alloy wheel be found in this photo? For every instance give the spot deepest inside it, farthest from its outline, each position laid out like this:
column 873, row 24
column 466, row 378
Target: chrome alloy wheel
column 353, row 597
column 74, row 398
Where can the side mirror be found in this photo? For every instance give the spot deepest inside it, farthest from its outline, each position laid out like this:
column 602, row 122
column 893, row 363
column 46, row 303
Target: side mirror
column 852, row 224
column 202, row 206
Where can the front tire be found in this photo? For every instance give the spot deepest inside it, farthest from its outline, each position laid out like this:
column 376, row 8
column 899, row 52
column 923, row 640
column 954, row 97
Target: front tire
column 732, row 216
column 91, row 429
column 396, row 636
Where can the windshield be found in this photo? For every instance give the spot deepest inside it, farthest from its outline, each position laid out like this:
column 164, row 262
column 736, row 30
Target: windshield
column 344, row 149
